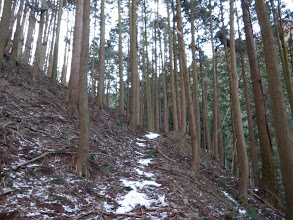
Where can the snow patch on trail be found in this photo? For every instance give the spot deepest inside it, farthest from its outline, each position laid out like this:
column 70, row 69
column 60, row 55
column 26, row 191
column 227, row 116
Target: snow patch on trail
column 241, row 211
column 134, row 197
column 152, row 135
column 140, row 172
column 140, row 144
column 145, row 162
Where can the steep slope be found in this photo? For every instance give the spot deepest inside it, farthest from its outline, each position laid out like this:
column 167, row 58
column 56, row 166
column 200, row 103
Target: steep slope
column 134, row 176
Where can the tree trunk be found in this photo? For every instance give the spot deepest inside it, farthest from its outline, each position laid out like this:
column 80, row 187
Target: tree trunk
column 194, row 75
column 206, row 127
column 101, row 64
column 82, row 159
column 4, row 26
column 253, row 150
column 283, row 53
column 56, row 46
column 133, row 69
column 176, row 76
column 165, row 98
column 50, row 56
column 73, row 87
column 30, row 36
column 45, row 43
column 172, row 80
column 268, row 179
column 280, row 119
column 150, row 112
column 36, row 63
column 241, row 147
column 17, row 35
column 195, row 163
column 215, row 93
column 121, row 89
column 19, row 55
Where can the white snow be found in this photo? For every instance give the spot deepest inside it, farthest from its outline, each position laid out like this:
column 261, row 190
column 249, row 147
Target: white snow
column 145, row 162
column 133, row 198
column 152, row 135
column 229, row 197
column 140, row 139
column 242, row 211
column 140, row 144
column 140, row 172
column 162, row 199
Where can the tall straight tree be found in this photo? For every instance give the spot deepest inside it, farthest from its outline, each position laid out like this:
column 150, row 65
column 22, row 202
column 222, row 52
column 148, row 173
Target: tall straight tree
column 283, row 52
column 30, row 35
column 17, row 34
column 269, row 180
column 73, row 87
column 194, row 75
column 101, row 64
column 36, row 64
column 215, row 93
column 241, row 146
column 56, row 46
column 172, row 80
column 150, row 112
column 121, row 89
column 82, row 159
column 280, row 119
column 4, row 26
column 195, row 163
column 133, row 69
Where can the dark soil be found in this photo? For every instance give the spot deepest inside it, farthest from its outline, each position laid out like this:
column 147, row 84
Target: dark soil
column 38, row 144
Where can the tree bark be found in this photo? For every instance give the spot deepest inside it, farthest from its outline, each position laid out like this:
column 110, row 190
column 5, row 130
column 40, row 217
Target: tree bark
column 30, row 36
column 36, row 63
column 268, row 179
column 194, row 75
column 82, row 160
column 215, row 89
column 4, row 26
column 133, row 69
column 73, row 87
column 195, row 163
column 280, row 119
column 121, row 89
column 101, row 64
column 17, row 34
column 56, row 46
column 165, row 98
column 241, row 146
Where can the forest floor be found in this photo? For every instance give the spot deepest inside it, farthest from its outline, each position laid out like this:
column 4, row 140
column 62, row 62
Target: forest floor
column 138, row 175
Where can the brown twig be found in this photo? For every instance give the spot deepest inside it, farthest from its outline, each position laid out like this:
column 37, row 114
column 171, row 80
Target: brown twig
column 165, row 156
column 30, row 161
column 276, row 210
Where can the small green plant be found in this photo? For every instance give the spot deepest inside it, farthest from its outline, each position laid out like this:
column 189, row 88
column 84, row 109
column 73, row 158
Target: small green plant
column 57, row 181
column 252, row 214
column 109, row 169
column 241, row 199
column 128, row 188
column 232, row 213
column 93, row 157
column 37, row 170
column 118, row 123
column 152, row 154
column 22, row 105
column 9, row 183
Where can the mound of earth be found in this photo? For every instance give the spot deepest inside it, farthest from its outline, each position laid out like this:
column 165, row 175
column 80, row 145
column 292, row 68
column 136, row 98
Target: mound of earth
column 139, row 175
